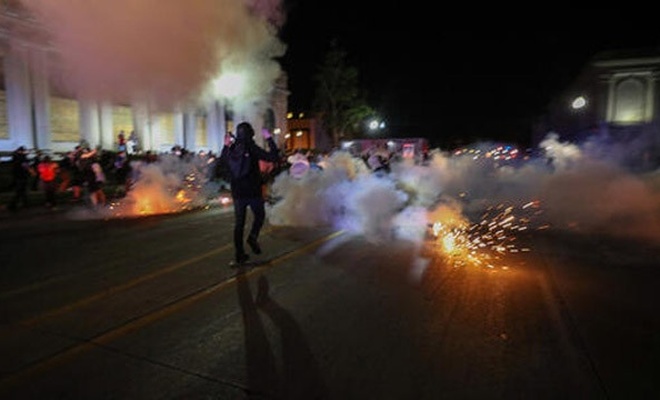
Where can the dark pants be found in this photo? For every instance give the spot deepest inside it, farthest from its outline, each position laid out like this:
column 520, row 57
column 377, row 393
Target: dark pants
column 256, row 204
column 50, row 188
column 20, row 193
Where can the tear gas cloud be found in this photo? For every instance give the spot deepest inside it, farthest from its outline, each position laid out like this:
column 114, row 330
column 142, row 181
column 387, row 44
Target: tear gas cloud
column 173, row 51
column 171, row 184
column 574, row 186
column 163, row 52
column 573, row 190
column 467, row 196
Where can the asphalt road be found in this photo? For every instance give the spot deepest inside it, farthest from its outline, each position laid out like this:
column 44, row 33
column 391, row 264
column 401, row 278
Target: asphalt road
column 148, row 308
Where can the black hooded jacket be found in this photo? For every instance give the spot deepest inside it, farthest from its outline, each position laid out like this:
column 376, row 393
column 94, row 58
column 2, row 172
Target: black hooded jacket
column 249, row 186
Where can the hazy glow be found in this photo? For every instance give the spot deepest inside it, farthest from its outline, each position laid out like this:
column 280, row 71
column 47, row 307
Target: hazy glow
column 230, row 85
column 479, row 202
column 165, row 53
column 629, row 116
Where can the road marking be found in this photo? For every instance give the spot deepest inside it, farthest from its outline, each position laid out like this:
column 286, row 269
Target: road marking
column 30, row 322
column 116, row 289
column 103, row 339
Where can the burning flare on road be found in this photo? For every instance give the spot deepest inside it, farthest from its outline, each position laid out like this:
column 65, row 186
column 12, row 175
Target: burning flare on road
column 486, row 243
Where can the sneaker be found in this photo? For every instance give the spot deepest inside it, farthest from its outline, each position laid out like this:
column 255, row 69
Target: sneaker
column 242, row 258
column 254, row 245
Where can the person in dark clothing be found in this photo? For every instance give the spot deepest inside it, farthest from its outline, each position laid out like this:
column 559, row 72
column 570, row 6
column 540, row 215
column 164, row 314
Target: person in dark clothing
column 21, row 172
column 72, row 176
column 35, row 167
column 122, row 170
column 246, row 190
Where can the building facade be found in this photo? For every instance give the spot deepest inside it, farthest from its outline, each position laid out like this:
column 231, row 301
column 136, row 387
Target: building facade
column 303, row 133
column 35, row 113
column 615, row 98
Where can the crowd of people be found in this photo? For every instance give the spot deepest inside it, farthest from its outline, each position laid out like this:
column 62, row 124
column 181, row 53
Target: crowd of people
column 83, row 172
column 86, row 174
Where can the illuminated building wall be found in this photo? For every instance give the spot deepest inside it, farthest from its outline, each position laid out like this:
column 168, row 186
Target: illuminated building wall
column 167, row 127
column 303, row 132
column 64, row 120
column 35, row 114
column 122, row 120
column 620, row 99
column 631, row 97
column 200, row 132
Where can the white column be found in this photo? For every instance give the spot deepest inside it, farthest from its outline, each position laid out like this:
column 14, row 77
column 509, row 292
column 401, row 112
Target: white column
column 105, row 127
column 650, row 94
column 19, row 107
column 610, row 99
column 212, row 125
column 142, row 123
column 89, row 122
column 41, row 99
column 222, row 128
column 190, row 130
column 155, row 129
column 180, row 121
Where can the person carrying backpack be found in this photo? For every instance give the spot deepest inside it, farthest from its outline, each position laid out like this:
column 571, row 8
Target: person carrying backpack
column 241, row 157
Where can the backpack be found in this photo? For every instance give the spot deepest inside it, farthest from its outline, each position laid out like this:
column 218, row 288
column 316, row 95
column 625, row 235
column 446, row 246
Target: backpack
column 239, row 161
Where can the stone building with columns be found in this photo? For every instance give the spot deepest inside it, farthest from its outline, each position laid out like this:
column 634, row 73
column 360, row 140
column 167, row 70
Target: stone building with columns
column 614, row 99
column 35, row 113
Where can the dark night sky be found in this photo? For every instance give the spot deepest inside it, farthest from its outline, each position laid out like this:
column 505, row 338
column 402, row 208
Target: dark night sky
column 446, row 75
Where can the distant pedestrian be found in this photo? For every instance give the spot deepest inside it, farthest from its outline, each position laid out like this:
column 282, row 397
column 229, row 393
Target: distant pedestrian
column 242, row 159
column 76, row 172
column 121, row 141
column 21, row 173
column 94, row 177
column 48, row 171
column 133, row 144
column 298, row 164
column 122, row 169
column 36, row 180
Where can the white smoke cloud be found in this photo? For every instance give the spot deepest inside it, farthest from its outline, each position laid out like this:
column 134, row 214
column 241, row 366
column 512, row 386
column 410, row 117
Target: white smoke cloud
column 575, row 187
column 165, row 52
column 168, row 51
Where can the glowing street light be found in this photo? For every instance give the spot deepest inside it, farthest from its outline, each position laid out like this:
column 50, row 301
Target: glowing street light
column 375, row 124
column 578, row 103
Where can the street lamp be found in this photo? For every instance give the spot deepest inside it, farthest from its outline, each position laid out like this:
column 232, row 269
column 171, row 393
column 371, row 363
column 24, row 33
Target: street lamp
column 375, row 125
column 578, row 103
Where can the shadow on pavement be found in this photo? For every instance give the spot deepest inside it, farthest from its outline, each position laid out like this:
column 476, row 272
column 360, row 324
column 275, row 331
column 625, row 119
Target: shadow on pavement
column 300, row 377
